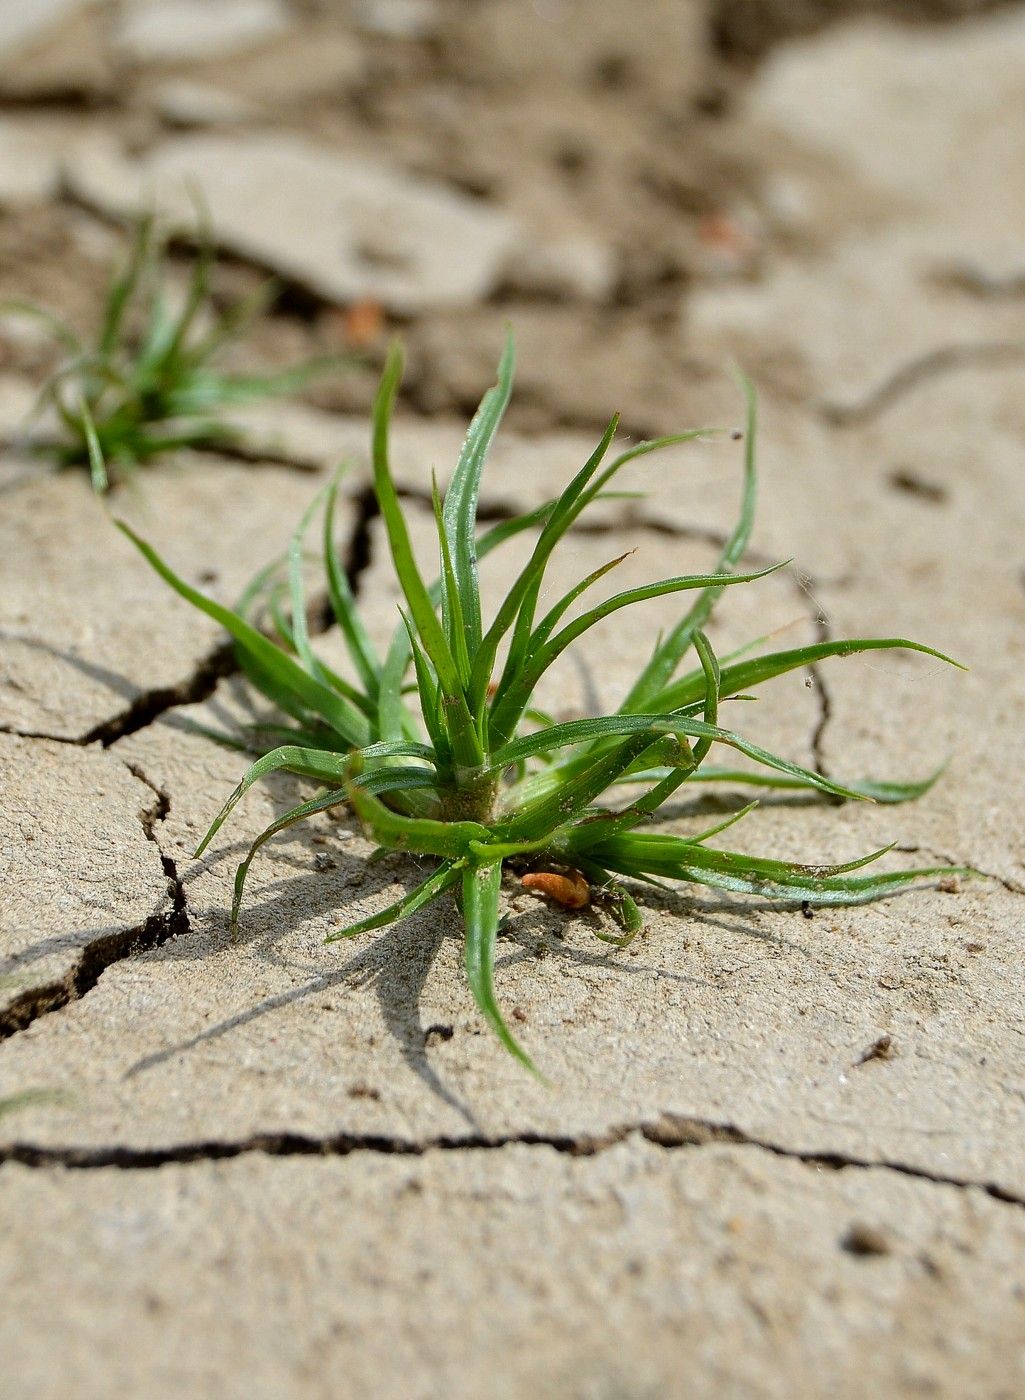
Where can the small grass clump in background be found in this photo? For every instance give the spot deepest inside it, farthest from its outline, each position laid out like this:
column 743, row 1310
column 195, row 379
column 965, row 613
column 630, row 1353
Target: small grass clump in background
column 150, row 381
column 437, row 746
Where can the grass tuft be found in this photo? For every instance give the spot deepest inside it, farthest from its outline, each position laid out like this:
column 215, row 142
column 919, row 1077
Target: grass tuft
column 149, row 382
column 471, row 775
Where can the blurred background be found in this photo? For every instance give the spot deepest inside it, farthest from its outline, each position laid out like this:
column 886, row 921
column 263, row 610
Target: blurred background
column 827, row 192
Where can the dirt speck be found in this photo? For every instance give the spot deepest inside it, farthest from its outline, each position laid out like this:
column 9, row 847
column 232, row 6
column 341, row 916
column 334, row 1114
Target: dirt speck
column 882, row 1048
column 866, row 1241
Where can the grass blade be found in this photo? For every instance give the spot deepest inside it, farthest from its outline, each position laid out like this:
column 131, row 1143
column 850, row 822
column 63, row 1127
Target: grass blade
column 745, row 675
column 451, row 596
column 343, row 605
column 460, row 509
column 436, row 884
column 322, row 803
column 882, row 792
column 300, row 631
column 97, row 466
column 668, row 654
column 507, row 708
column 465, row 742
column 342, row 716
column 527, row 584
column 482, row 886
column 311, row 763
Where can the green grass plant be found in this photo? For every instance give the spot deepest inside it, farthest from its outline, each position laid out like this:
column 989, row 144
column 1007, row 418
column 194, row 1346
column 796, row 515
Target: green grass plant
column 436, row 744
column 150, row 380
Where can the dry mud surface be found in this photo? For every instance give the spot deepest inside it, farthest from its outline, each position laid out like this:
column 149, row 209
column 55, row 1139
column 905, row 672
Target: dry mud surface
column 783, row 1156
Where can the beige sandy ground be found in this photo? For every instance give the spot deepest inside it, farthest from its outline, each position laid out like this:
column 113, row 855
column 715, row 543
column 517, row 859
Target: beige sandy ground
column 782, row 1156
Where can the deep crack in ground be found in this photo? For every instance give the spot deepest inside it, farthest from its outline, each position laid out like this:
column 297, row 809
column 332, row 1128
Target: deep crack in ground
column 669, row 1131
column 102, row 952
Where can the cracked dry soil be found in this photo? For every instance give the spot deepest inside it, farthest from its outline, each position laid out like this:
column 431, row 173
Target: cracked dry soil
column 785, row 1150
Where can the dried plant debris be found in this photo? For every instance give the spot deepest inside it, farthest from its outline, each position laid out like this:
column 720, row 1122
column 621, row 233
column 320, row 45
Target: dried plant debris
column 436, row 744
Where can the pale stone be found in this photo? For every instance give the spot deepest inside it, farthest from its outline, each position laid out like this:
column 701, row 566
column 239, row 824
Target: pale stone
column 875, row 166
column 661, row 45
column 343, row 226
column 31, row 151
column 398, row 19
column 318, row 58
column 185, row 103
column 17, row 396
column 23, row 22
column 578, row 267
column 172, row 31
column 903, row 102
column 53, row 49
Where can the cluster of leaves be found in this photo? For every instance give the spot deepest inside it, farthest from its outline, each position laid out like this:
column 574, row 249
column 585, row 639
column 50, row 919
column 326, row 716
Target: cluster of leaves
column 474, row 777
column 150, row 381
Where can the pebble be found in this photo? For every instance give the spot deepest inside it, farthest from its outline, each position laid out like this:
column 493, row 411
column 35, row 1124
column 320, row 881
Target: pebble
column 175, row 31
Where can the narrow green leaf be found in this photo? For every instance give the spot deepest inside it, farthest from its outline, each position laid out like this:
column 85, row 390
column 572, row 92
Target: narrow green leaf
column 884, row 792
column 322, row 803
column 343, row 604
column 506, row 711
column 713, row 687
column 436, row 884
column 199, row 281
column 342, row 716
column 460, row 510
column 529, row 579
column 396, row 781
column 124, row 285
column 676, row 858
column 97, row 466
column 310, row 763
column 451, row 597
column 428, row 693
column 482, row 886
column 546, row 626
column 300, row 630
column 668, row 654
column 56, row 325
column 580, row 731
column 232, row 322
column 700, row 837
column 464, row 737
column 745, row 675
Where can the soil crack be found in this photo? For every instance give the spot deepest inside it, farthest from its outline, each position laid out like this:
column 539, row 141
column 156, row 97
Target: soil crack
column 995, row 354
column 114, row 946
column 96, row 957
column 221, row 662
column 150, row 704
column 669, row 1131
column 1012, row 886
